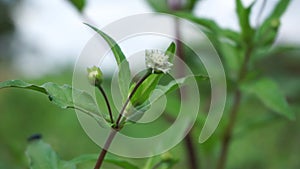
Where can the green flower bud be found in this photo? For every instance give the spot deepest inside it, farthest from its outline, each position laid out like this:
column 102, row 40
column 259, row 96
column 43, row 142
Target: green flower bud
column 95, row 76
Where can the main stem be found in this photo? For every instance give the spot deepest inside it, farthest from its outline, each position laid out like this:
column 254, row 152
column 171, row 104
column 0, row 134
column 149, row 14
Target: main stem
column 116, row 128
column 108, row 142
column 233, row 114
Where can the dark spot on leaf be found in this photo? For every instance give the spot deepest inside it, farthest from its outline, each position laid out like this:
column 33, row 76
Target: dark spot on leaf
column 50, row 98
column 34, row 137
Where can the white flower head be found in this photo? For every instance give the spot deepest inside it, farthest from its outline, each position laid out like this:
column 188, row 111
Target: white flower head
column 157, row 61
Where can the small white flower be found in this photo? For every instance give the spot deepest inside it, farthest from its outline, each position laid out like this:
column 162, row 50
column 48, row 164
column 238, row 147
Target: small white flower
column 157, row 61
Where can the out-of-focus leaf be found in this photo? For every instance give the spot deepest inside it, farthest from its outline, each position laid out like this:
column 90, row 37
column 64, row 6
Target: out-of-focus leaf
column 269, row 93
column 190, row 4
column 78, row 4
column 267, row 32
column 165, row 6
column 244, row 20
column 108, row 159
column 124, row 70
column 62, row 97
column 159, row 5
column 166, row 161
column 232, row 55
column 42, row 156
column 121, row 163
column 212, row 26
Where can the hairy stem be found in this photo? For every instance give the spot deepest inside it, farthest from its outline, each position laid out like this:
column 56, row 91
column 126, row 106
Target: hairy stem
column 108, row 142
column 233, row 114
column 130, row 96
column 107, row 103
column 193, row 159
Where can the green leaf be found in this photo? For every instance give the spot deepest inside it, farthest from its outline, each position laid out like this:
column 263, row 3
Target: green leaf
column 268, row 31
column 124, row 70
column 108, row 159
column 232, row 55
column 62, row 97
column 212, row 27
column 269, row 93
column 171, row 51
column 42, row 156
column 244, row 20
column 173, row 85
column 163, row 6
column 145, row 89
column 159, row 5
column 121, row 163
column 78, row 4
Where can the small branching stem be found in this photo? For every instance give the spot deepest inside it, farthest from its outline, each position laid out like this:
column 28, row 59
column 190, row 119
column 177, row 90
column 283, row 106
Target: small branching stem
column 116, row 128
column 107, row 103
column 138, row 84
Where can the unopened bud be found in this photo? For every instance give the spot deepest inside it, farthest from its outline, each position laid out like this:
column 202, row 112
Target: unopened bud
column 95, row 76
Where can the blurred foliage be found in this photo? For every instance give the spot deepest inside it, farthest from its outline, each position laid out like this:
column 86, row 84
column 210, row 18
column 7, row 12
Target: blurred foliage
column 262, row 140
column 7, row 28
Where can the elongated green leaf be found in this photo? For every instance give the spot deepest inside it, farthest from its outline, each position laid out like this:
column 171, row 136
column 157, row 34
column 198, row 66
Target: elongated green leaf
column 173, row 85
column 268, row 31
column 159, row 5
column 269, row 93
column 124, row 70
column 232, row 56
column 212, row 26
column 42, row 156
column 171, row 50
column 145, row 89
column 62, row 97
column 78, row 4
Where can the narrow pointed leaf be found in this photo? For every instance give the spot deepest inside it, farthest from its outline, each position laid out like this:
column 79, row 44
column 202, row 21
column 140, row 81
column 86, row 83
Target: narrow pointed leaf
column 212, row 27
column 62, row 96
column 78, row 4
column 173, row 85
column 268, row 31
column 124, row 70
column 268, row 92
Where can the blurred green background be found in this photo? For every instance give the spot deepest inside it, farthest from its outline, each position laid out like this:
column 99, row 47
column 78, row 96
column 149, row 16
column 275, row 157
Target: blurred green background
column 262, row 139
